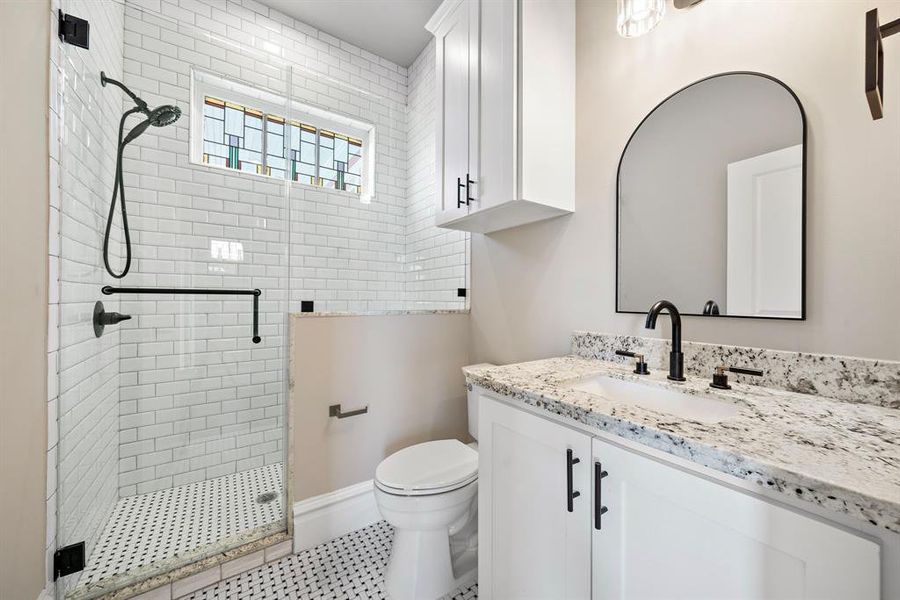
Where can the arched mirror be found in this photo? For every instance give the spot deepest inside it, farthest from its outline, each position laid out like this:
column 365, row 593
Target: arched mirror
column 711, row 202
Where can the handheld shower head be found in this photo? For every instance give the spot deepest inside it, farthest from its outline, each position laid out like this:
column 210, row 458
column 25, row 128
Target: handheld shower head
column 158, row 117
column 164, row 115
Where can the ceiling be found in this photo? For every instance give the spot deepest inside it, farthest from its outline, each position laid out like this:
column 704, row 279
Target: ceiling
column 392, row 29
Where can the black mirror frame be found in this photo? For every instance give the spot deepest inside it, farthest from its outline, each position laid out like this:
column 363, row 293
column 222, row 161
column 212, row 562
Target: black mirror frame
column 802, row 316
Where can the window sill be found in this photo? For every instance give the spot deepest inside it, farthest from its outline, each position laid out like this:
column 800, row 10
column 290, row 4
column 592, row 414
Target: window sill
column 361, row 198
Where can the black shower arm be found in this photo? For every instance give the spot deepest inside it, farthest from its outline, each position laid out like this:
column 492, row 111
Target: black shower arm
column 142, row 106
column 109, row 290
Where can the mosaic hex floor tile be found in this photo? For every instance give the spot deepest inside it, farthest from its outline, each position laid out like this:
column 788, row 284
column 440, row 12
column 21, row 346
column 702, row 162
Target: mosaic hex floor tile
column 350, row 567
column 164, row 524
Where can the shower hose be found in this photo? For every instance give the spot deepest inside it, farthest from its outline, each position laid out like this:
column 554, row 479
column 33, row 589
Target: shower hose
column 118, row 192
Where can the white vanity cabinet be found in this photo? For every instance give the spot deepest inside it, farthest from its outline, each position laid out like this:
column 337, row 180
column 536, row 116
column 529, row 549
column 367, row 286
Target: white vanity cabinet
column 667, row 532
column 505, row 90
column 530, row 544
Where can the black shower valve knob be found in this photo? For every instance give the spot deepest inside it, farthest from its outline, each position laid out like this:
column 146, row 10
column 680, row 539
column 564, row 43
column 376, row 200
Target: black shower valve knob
column 103, row 318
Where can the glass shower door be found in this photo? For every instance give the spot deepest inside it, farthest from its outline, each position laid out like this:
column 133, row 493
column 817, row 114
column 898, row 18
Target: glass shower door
column 172, row 429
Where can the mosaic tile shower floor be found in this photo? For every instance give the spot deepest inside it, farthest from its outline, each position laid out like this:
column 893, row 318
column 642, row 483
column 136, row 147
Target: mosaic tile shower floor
column 350, row 567
column 164, row 524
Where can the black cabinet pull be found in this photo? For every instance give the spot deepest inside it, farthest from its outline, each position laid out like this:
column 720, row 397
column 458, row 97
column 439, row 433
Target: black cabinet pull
column 460, row 185
column 599, row 509
column 469, row 197
column 570, row 493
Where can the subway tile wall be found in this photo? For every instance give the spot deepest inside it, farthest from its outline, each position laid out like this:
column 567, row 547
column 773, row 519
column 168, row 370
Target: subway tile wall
column 83, row 440
column 437, row 259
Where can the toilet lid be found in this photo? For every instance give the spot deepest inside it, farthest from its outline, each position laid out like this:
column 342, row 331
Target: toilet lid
column 429, row 467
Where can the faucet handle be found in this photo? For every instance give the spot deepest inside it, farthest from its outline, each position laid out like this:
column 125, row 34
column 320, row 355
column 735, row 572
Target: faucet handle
column 640, row 367
column 720, row 378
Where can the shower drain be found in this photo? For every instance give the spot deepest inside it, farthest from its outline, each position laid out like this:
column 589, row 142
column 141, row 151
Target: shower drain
column 266, row 497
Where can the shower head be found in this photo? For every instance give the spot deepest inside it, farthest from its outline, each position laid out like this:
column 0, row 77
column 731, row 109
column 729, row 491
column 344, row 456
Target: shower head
column 158, row 117
column 164, row 115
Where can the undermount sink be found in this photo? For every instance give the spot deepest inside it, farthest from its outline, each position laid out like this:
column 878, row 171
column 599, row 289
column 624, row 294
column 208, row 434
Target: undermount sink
column 696, row 408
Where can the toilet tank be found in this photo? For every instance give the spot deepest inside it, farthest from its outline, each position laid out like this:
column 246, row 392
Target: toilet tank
column 472, row 398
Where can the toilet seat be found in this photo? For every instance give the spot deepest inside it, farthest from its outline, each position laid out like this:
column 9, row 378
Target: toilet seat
column 429, row 468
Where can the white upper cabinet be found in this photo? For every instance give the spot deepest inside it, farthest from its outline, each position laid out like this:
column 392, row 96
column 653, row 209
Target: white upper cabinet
column 456, row 40
column 506, row 104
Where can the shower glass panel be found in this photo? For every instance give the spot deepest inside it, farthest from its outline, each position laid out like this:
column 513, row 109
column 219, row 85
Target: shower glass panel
column 172, row 443
column 373, row 251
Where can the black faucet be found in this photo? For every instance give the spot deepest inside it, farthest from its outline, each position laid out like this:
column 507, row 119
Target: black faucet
column 676, row 357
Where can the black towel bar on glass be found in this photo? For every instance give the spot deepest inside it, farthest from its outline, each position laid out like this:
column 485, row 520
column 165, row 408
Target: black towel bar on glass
column 108, row 290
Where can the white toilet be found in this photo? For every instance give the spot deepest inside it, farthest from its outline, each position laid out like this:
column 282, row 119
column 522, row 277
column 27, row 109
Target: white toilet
column 429, row 493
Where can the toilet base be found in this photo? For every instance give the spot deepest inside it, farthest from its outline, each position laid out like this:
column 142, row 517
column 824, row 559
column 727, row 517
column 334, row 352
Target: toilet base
column 421, row 568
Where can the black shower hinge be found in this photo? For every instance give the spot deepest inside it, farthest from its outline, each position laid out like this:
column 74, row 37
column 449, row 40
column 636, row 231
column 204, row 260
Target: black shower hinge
column 73, row 30
column 461, row 292
column 67, row 560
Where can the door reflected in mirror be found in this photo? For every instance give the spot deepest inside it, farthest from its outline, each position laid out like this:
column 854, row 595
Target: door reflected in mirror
column 711, row 202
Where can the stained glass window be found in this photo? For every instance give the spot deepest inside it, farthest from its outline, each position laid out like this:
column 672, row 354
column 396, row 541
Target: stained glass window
column 275, row 163
column 233, row 138
column 303, row 153
column 340, row 158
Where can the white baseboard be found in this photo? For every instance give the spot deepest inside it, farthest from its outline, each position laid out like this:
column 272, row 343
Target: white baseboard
column 323, row 518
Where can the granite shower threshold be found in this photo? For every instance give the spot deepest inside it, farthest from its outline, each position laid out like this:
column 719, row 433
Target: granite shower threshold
column 150, row 534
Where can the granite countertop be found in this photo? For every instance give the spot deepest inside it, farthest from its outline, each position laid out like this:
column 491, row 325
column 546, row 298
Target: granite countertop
column 842, row 456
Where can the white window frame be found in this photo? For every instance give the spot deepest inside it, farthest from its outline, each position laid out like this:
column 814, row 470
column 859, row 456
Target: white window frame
column 205, row 84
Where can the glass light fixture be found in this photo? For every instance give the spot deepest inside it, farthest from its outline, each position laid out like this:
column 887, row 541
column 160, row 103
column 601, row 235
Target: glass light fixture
column 637, row 17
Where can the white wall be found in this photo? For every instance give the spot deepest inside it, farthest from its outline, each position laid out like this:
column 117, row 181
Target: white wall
column 82, row 167
column 24, row 60
column 536, row 284
column 405, row 368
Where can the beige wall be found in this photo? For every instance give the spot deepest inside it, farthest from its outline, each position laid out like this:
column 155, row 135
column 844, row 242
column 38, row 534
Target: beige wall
column 406, row 368
column 24, row 57
column 533, row 285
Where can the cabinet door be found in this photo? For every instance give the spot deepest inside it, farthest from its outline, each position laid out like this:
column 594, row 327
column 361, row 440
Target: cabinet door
column 531, row 543
column 456, row 43
column 668, row 533
column 498, row 24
